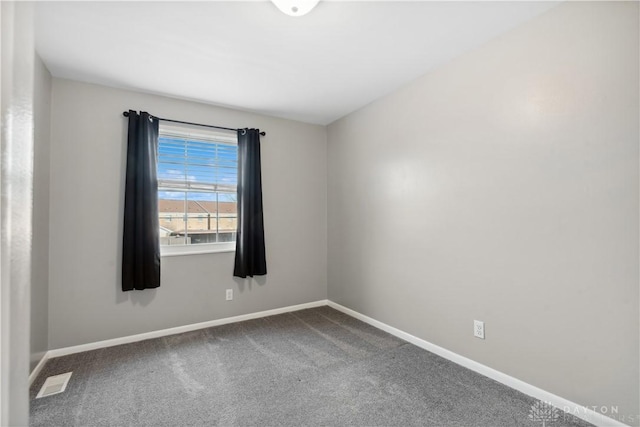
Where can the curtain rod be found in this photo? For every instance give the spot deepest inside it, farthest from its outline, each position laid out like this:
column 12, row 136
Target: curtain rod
column 126, row 114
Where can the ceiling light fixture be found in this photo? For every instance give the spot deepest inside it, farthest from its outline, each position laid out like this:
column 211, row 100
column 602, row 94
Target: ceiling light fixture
column 295, row 7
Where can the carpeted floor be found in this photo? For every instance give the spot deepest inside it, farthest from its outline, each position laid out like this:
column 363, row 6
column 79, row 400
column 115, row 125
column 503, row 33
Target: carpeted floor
column 310, row 367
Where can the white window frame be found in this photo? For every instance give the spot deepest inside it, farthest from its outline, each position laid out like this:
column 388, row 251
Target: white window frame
column 186, row 131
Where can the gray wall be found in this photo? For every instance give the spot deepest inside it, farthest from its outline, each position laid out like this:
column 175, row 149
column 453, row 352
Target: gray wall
column 88, row 141
column 16, row 177
column 504, row 187
column 40, row 251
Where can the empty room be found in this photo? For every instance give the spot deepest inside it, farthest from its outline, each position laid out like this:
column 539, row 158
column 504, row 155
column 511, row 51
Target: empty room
column 323, row 213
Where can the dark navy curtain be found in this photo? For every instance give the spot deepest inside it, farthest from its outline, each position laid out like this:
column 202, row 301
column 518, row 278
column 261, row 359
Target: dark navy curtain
column 141, row 240
column 250, row 250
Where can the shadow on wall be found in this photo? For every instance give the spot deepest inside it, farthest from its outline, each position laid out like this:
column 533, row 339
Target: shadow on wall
column 142, row 298
column 145, row 297
column 260, row 280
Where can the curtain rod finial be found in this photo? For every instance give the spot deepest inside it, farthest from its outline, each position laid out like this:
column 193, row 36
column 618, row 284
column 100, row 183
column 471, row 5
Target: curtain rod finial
column 126, row 114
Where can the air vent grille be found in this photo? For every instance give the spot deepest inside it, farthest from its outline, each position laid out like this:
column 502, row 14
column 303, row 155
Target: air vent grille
column 54, row 385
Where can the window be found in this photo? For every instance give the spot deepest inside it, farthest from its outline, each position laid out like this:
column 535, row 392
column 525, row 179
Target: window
column 197, row 183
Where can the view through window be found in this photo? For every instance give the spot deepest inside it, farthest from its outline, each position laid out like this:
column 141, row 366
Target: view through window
column 197, row 182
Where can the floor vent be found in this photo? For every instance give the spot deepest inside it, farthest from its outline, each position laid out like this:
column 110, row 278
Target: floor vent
column 54, row 385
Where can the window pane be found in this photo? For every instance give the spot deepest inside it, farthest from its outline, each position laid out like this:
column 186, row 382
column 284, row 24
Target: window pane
column 228, row 217
column 211, row 218
column 171, row 209
column 197, row 180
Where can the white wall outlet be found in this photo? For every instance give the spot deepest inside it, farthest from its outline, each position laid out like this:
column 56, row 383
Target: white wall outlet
column 478, row 329
column 229, row 294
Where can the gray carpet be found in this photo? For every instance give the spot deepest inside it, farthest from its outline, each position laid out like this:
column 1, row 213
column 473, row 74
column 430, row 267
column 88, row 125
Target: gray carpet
column 310, row 367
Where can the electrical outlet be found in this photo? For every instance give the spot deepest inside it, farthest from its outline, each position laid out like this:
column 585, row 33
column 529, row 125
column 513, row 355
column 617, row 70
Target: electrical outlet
column 478, row 329
column 229, row 294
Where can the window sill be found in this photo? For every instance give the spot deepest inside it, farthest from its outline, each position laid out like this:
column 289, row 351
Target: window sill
column 182, row 250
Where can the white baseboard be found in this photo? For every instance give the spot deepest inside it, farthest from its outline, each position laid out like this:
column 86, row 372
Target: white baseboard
column 165, row 332
column 38, row 368
column 579, row 411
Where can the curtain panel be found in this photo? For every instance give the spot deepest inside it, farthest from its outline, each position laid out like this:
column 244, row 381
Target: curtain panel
column 250, row 248
column 141, row 240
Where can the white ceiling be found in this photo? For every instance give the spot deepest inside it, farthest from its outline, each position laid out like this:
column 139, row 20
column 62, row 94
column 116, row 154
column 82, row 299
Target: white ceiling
column 248, row 55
